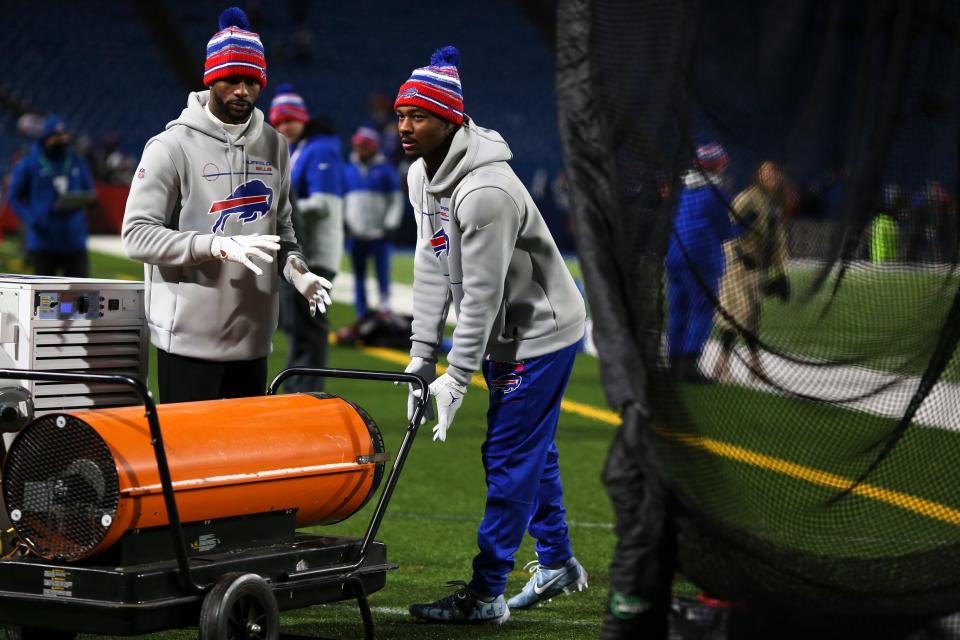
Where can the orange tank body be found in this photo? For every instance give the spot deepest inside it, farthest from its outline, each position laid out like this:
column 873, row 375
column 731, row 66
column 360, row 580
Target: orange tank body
column 238, row 457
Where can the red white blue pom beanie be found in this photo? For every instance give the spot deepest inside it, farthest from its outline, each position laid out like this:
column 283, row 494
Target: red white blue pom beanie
column 235, row 51
column 287, row 105
column 436, row 88
column 712, row 157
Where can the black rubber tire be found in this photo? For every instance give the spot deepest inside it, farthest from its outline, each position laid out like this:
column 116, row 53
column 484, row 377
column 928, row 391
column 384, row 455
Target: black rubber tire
column 241, row 606
column 35, row 633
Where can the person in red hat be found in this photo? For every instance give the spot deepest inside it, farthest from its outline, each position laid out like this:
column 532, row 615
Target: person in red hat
column 373, row 206
column 209, row 206
column 316, row 188
column 694, row 260
column 483, row 247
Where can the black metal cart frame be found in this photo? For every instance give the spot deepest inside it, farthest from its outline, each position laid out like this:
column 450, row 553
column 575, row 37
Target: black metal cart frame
column 344, row 573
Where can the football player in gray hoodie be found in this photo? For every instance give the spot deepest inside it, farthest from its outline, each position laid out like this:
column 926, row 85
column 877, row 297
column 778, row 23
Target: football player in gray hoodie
column 484, row 246
column 209, row 200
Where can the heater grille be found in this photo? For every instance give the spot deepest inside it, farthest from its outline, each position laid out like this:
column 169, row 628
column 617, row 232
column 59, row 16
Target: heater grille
column 60, row 487
column 114, row 350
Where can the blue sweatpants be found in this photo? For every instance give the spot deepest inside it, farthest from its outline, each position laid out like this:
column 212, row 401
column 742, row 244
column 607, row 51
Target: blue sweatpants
column 690, row 310
column 521, row 464
column 360, row 252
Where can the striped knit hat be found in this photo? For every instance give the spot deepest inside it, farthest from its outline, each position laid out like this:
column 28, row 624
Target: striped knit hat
column 287, row 105
column 235, row 51
column 366, row 134
column 711, row 157
column 435, row 88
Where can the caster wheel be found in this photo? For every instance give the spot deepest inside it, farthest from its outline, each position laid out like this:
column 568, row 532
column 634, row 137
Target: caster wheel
column 241, row 606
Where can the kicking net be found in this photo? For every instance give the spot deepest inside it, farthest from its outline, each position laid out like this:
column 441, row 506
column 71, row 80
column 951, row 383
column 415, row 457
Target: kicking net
column 765, row 205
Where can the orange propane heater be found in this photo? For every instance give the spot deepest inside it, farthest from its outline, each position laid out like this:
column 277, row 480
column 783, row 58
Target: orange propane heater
column 76, row 482
column 140, row 519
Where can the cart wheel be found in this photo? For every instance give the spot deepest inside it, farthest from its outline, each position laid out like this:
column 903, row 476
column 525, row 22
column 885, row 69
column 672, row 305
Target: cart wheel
column 34, row 633
column 241, row 606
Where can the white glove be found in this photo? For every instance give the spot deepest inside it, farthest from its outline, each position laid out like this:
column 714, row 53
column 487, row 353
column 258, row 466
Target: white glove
column 449, row 394
column 241, row 248
column 426, row 369
column 311, row 286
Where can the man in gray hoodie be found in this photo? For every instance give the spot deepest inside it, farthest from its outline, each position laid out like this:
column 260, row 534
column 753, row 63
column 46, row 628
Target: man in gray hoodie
column 211, row 196
column 484, row 246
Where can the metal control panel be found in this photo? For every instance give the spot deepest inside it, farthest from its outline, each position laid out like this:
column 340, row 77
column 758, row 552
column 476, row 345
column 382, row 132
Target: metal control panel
column 73, row 324
column 86, row 305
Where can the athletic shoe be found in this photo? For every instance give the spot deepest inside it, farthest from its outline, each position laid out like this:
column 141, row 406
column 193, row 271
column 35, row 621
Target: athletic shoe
column 463, row 607
column 547, row 583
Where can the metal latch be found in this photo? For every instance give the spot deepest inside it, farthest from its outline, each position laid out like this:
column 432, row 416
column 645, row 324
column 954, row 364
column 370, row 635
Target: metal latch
column 383, row 456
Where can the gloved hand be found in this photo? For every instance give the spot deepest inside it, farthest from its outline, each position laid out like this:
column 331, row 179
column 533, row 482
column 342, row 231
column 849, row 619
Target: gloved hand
column 779, row 287
column 241, row 248
column 311, row 286
column 449, row 394
column 426, row 369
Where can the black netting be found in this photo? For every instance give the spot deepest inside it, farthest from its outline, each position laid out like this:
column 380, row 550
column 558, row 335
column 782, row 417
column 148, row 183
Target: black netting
column 60, row 487
column 765, row 197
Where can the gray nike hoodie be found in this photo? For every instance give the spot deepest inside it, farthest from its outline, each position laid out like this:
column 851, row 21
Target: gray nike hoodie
column 484, row 246
column 195, row 180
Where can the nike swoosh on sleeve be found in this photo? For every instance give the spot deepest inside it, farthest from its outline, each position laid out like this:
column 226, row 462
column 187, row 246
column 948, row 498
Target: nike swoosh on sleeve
column 481, row 227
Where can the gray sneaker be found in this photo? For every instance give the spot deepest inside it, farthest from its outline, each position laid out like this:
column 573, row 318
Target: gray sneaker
column 463, row 607
column 547, row 583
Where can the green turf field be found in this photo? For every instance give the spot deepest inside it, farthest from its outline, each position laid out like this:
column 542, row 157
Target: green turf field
column 791, row 507
column 430, row 526
column 887, row 321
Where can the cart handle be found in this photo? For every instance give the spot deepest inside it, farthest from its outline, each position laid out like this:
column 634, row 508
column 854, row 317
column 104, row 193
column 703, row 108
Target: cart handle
column 412, row 427
column 156, row 439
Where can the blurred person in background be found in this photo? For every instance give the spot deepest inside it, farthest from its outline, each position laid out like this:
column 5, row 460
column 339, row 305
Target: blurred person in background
column 211, row 200
column 316, row 188
column 884, row 232
column 756, row 265
column 484, row 247
column 694, row 259
column 110, row 163
column 49, row 191
column 373, row 206
column 383, row 120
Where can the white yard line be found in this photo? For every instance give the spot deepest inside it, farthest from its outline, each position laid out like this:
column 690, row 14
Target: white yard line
column 858, row 388
column 875, row 392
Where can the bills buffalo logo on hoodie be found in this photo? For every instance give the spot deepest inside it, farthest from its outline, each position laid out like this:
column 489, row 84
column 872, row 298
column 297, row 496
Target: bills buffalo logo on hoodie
column 249, row 202
column 440, row 243
column 507, row 377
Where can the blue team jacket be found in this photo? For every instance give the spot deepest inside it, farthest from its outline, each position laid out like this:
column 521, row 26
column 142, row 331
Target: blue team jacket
column 702, row 225
column 32, row 195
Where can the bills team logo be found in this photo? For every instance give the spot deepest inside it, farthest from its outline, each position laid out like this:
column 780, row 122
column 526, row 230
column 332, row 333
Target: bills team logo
column 509, row 381
column 440, row 243
column 444, row 212
column 250, row 201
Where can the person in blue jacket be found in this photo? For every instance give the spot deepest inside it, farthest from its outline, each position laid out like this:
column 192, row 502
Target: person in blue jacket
column 373, row 207
column 316, row 189
column 49, row 191
column 695, row 259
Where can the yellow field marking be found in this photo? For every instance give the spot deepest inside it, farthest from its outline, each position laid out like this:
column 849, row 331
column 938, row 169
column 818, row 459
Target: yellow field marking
column 905, row 501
